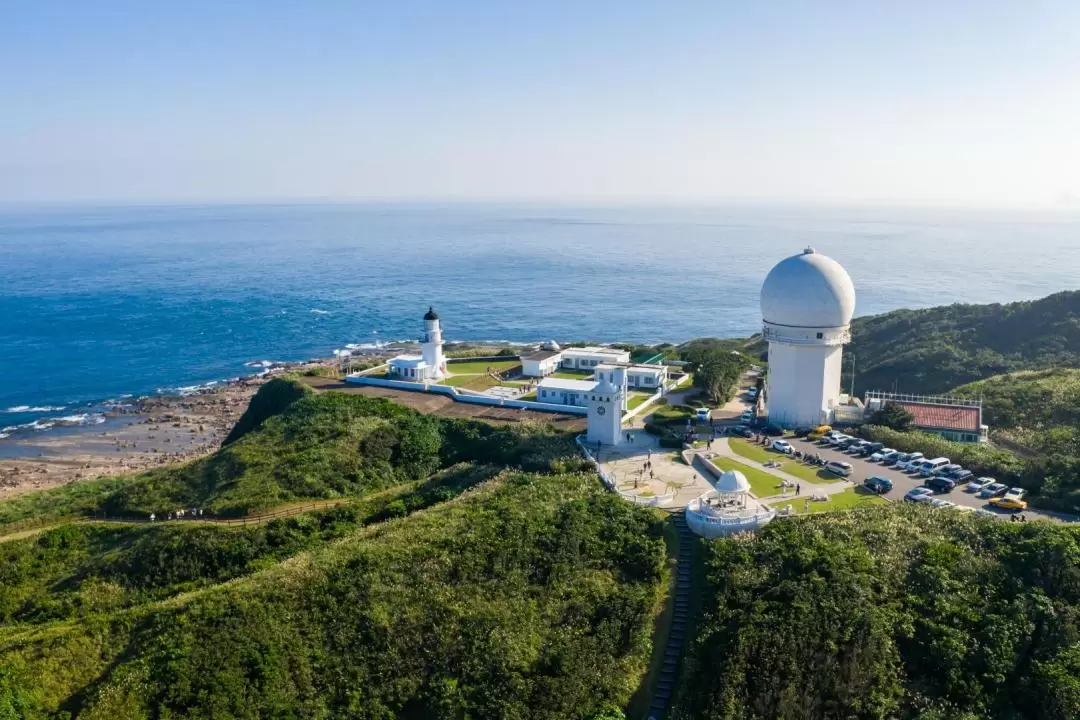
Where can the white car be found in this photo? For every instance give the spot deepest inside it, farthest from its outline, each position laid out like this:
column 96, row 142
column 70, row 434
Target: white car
column 1015, row 494
column 837, row 467
column 880, row 454
column 978, row 484
column 909, row 461
column 747, row 417
column 940, row 504
column 963, row 508
column 704, row 415
column 782, row 446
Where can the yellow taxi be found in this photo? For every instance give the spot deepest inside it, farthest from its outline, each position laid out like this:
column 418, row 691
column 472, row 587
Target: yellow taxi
column 1009, row 503
column 819, row 432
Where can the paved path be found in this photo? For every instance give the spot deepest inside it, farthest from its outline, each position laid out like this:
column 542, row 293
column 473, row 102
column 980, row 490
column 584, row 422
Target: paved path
column 676, row 638
column 669, row 470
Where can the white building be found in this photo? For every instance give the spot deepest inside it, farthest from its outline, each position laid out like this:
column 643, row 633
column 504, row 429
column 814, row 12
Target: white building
column 639, row 377
column 605, row 402
column 728, row 509
column 562, row 391
column 807, row 302
column 587, row 358
column 540, row 363
column 430, row 364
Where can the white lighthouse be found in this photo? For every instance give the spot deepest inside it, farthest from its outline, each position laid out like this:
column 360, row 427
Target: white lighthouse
column 807, row 302
column 431, row 346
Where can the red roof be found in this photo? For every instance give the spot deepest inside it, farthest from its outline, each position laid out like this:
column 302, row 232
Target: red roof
column 943, row 417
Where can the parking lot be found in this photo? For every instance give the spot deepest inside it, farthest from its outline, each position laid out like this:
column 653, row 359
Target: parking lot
column 902, row 482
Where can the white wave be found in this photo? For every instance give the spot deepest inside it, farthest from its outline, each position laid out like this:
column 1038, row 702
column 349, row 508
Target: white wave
column 4, row 435
column 317, row 311
column 82, row 419
column 34, row 408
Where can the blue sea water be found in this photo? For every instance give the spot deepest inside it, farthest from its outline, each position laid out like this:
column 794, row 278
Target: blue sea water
column 98, row 302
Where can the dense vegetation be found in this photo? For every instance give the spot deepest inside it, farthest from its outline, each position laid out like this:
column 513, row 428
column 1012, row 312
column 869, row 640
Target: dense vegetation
column 312, row 447
column 898, row 612
column 937, row 349
column 717, row 367
column 475, row 572
column 1038, row 409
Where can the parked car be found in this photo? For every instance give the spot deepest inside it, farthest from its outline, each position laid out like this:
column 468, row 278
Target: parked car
column 871, row 448
column 847, row 442
column 856, row 447
column 993, row 490
column 927, row 467
column 773, row 431
column 962, row 477
column 877, row 484
column 908, row 461
column 782, row 446
column 963, row 508
column 704, row 415
column 752, row 393
column 746, row 417
column 978, row 484
column 880, row 455
column 742, row 431
column 1008, row 503
column 819, row 432
column 919, row 495
column 983, row 512
column 940, row 484
column 941, row 504
column 946, row 470
column 837, row 467
column 1015, row 493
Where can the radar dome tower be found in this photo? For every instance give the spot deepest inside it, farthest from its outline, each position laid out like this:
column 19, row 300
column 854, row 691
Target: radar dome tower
column 807, row 302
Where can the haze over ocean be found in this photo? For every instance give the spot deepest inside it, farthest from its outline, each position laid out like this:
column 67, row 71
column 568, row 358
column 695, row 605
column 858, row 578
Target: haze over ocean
column 97, row 302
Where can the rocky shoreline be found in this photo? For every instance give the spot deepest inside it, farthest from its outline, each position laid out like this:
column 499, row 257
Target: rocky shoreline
column 149, row 432
column 156, row 430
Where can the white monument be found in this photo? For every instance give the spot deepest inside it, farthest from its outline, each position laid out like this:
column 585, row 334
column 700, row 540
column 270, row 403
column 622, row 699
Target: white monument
column 605, row 402
column 807, row 302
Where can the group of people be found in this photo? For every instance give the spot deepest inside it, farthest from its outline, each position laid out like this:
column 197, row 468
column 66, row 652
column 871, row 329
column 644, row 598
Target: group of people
column 190, row 513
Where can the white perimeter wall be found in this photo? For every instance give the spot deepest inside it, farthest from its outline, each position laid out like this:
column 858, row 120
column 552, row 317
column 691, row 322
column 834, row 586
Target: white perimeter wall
column 804, row 383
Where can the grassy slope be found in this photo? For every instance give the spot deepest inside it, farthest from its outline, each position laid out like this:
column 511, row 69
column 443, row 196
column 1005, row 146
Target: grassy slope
column 897, row 612
column 937, row 349
column 536, row 601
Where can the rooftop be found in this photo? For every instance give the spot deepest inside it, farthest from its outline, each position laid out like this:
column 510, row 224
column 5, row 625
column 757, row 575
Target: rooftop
column 411, row 361
column 541, row 355
column 943, row 417
column 641, row 367
column 596, row 350
column 551, row 383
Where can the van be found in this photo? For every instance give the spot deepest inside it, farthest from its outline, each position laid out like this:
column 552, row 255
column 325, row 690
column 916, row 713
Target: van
column 837, row 467
column 928, row 467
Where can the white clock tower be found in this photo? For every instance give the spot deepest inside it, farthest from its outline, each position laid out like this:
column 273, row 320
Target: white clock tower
column 605, row 410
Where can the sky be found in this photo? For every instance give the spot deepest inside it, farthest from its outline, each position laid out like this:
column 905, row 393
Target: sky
column 961, row 102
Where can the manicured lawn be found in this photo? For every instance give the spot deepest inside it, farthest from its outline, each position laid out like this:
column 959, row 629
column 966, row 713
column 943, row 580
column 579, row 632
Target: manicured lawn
column 762, row 484
column 471, row 382
column 572, row 374
column 749, row 450
column 636, row 398
column 851, row 498
column 481, row 366
column 528, row 396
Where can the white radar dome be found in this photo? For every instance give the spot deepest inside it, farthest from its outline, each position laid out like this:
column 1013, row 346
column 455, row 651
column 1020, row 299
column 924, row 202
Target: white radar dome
column 808, row 290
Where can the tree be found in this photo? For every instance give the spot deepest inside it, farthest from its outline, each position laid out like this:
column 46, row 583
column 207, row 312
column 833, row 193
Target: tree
column 893, row 416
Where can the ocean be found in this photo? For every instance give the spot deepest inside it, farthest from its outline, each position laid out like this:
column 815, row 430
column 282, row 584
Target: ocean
column 98, row 303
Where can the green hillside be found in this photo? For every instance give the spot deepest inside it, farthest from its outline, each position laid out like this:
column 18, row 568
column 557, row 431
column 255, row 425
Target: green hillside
column 474, row 572
column 901, row 612
column 1039, row 409
column 937, row 349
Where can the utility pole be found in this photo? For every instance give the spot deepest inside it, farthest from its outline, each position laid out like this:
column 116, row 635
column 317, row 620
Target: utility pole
column 851, row 395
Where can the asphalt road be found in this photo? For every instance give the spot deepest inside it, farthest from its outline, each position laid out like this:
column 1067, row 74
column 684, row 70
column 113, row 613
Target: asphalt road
column 902, row 482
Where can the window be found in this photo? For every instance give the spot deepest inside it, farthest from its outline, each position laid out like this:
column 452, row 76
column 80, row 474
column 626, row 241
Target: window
column 820, row 336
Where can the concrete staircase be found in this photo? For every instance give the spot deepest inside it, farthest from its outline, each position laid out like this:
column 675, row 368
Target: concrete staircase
column 676, row 640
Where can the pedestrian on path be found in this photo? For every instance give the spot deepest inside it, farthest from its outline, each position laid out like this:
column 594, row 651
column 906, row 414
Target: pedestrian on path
column 798, row 489
column 806, row 506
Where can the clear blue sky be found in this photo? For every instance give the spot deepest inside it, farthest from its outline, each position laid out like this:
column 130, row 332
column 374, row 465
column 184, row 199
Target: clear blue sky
column 946, row 101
